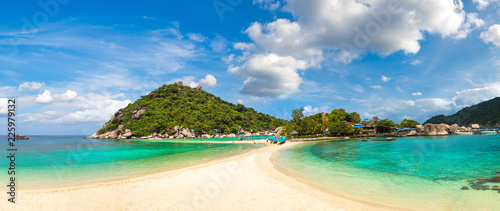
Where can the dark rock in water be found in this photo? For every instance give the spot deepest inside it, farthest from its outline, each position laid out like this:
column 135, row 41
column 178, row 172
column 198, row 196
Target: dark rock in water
column 390, row 139
column 497, row 171
column 495, row 179
column 482, row 181
column 465, row 188
column 364, row 140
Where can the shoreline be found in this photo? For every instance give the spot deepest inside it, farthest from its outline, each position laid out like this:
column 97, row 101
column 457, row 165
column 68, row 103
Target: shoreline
column 331, row 196
column 195, row 187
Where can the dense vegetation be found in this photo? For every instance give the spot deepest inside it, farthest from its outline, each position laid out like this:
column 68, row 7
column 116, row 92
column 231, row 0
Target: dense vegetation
column 486, row 114
column 315, row 124
column 172, row 105
column 337, row 123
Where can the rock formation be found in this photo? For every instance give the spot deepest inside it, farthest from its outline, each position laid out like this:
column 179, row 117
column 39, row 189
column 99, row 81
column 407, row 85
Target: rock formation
column 436, row 129
column 138, row 113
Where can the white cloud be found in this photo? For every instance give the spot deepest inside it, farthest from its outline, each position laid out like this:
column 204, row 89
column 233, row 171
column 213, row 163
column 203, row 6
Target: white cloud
column 473, row 96
column 270, row 75
column 196, row 37
column 481, row 4
column 385, row 79
column 309, row 110
column 67, row 96
column 417, row 94
column 45, row 97
column 350, row 28
column 376, row 87
column 208, row 81
column 30, row 86
column 491, row 35
column 3, row 105
column 415, row 62
column 89, row 108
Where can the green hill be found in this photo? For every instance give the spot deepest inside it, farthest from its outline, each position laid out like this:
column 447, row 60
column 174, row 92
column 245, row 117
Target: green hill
column 193, row 108
column 486, row 114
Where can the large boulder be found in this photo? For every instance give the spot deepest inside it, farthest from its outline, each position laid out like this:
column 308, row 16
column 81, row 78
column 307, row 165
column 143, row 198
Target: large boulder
column 436, row 129
column 454, row 128
column 127, row 134
column 420, row 128
column 232, row 135
column 475, row 126
column 206, row 136
column 278, row 131
column 137, row 113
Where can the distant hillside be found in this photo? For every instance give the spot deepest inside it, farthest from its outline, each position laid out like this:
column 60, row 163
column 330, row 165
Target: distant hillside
column 193, row 108
column 486, row 114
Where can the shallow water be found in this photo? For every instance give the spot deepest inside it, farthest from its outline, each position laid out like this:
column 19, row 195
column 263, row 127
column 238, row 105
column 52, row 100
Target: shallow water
column 62, row 161
column 412, row 172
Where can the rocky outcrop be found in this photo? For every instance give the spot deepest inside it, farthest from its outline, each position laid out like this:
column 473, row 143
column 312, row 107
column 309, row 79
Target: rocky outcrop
column 179, row 83
column 454, row 128
column 323, row 116
column 118, row 133
column 277, row 131
column 198, row 88
column 137, row 113
column 475, row 126
column 436, row 129
column 420, row 128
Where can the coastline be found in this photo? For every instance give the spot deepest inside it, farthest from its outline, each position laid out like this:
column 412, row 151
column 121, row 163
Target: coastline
column 246, row 181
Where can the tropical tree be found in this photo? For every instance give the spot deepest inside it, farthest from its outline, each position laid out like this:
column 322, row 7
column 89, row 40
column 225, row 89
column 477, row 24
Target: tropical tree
column 340, row 128
column 384, row 125
column 409, row 123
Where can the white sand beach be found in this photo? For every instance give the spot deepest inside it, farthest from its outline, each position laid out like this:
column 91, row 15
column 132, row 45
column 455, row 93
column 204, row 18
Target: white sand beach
column 243, row 182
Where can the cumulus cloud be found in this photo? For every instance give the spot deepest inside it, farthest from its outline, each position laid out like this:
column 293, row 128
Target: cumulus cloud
column 270, row 75
column 345, row 30
column 45, row 97
column 351, row 28
column 68, row 95
column 385, row 78
column 492, row 35
column 417, row 94
column 309, row 110
column 30, row 86
column 208, row 81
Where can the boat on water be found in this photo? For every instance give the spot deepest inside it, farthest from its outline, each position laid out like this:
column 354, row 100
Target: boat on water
column 464, row 133
column 489, row 132
column 22, row 138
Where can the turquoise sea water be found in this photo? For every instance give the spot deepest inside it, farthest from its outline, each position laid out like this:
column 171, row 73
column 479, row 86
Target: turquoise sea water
column 422, row 173
column 62, row 161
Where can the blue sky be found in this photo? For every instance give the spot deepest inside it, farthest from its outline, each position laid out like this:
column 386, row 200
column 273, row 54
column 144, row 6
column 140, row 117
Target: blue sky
column 72, row 64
